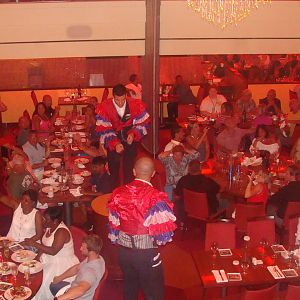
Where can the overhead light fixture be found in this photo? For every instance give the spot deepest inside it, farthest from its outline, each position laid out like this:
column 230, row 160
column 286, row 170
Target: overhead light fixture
column 225, row 12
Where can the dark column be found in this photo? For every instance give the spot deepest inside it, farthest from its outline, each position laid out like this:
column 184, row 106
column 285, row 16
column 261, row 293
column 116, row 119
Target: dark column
column 150, row 72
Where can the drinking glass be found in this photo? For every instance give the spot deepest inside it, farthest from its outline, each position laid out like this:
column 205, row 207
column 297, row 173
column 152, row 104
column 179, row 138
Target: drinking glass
column 264, row 243
column 14, row 272
column 27, row 276
column 6, row 252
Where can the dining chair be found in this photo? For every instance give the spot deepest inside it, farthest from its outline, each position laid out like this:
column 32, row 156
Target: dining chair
column 260, row 294
column 77, row 235
column 293, row 292
column 196, row 208
column 288, row 234
column 261, row 228
column 292, row 209
column 185, row 110
column 97, row 295
column 221, row 232
column 246, row 211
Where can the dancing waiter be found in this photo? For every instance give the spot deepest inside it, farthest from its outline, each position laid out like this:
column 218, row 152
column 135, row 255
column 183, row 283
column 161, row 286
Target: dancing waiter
column 140, row 219
column 121, row 123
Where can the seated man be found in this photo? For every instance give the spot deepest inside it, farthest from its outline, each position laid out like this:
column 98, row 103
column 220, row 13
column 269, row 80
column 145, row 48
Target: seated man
column 278, row 202
column 36, row 154
column 19, row 179
column 23, row 133
column 101, row 181
column 196, row 182
column 273, row 104
column 88, row 273
column 47, row 100
column 211, row 105
column 177, row 134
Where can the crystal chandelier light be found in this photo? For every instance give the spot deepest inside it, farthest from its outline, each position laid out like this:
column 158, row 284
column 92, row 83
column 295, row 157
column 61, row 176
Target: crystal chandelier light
column 225, row 12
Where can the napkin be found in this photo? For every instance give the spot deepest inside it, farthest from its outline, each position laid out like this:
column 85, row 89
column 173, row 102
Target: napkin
column 49, row 180
column 248, row 161
column 220, row 276
column 275, row 272
column 76, row 192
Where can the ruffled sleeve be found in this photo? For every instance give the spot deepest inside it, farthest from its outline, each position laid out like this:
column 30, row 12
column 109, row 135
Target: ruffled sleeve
column 160, row 221
column 113, row 226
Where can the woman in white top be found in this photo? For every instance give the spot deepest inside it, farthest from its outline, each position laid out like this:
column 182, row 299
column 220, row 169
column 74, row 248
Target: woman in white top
column 264, row 142
column 27, row 224
column 57, row 250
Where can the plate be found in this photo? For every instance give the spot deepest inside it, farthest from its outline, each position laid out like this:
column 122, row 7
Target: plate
column 78, row 122
column 85, row 173
column 5, row 267
column 26, row 293
column 82, row 160
column 23, row 255
column 54, row 160
column 49, row 173
column 79, row 127
column 34, row 265
column 46, row 189
column 4, row 286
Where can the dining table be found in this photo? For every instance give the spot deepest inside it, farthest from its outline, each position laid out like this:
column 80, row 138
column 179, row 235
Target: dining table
column 69, row 162
column 34, row 282
column 245, row 267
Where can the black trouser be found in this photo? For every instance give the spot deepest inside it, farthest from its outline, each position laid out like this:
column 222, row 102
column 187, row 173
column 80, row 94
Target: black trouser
column 142, row 269
column 172, row 111
column 114, row 159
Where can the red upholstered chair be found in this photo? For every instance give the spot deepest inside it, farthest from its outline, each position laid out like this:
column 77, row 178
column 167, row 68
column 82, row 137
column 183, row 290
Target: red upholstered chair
column 289, row 234
column 105, row 94
column 293, row 208
column 261, row 294
column 222, row 232
column 185, row 110
column 195, row 205
column 293, row 292
column 78, row 235
column 97, row 295
column 259, row 229
column 246, row 211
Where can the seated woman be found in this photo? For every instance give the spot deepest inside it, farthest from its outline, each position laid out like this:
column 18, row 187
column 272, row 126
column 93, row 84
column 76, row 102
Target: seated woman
column 27, row 221
column 176, row 163
column 228, row 141
column 197, row 140
column 258, row 192
column 41, row 123
column 90, row 120
column 57, row 250
column 263, row 141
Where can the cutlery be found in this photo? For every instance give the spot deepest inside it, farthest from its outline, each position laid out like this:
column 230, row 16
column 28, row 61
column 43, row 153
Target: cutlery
column 277, row 272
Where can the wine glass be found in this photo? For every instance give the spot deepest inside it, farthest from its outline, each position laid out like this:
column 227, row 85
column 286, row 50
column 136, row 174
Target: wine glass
column 244, row 266
column 214, row 248
column 6, row 252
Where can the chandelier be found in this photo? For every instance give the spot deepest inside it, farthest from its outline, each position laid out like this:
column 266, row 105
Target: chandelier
column 225, row 12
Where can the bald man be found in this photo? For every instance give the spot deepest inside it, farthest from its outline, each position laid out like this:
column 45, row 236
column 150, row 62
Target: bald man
column 140, row 219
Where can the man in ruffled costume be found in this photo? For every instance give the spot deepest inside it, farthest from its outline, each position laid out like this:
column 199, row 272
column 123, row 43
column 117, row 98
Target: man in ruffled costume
column 121, row 123
column 140, row 219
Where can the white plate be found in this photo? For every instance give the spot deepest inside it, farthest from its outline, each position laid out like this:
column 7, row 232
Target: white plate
column 82, row 160
column 9, row 264
column 54, row 160
column 78, row 122
column 79, row 127
column 85, row 173
column 9, row 296
column 34, row 265
column 47, row 188
column 78, row 181
column 23, row 256
column 49, row 173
